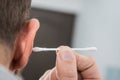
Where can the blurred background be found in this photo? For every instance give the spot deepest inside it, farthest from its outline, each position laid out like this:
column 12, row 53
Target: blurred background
column 77, row 23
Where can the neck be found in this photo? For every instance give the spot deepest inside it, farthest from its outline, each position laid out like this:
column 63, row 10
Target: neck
column 5, row 56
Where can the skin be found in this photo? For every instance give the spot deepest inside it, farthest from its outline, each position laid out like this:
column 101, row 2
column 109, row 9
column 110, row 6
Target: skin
column 72, row 66
column 69, row 64
column 17, row 57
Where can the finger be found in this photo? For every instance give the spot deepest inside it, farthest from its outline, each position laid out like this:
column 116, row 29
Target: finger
column 49, row 75
column 66, row 64
column 46, row 76
column 88, row 67
column 54, row 74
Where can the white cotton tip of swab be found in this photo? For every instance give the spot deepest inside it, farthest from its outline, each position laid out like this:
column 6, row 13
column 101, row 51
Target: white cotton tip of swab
column 39, row 49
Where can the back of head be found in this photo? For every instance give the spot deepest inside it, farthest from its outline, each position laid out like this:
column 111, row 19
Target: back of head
column 17, row 33
column 13, row 14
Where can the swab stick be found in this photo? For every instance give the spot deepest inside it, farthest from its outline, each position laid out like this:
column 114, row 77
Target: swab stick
column 40, row 49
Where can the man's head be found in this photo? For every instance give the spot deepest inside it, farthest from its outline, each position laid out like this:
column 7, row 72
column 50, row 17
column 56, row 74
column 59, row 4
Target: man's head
column 13, row 14
column 16, row 32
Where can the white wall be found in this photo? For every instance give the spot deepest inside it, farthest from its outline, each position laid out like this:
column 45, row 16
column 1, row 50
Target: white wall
column 68, row 6
column 99, row 25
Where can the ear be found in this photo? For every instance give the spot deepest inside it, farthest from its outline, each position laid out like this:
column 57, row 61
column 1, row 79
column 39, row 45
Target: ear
column 23, row 44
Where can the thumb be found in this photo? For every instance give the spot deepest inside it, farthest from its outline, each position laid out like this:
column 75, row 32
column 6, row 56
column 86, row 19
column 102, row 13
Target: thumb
column 66, row 64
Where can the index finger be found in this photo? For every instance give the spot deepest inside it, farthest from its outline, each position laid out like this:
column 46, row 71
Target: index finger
column 88, row 67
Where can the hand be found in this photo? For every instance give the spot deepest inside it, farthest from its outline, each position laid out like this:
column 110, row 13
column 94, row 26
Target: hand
column 72, row 66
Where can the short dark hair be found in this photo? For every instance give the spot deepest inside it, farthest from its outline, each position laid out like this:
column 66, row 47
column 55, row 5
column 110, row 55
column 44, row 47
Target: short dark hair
column 13, row 14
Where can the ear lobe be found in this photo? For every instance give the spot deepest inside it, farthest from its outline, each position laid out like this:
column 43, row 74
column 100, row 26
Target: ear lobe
column 24, row 44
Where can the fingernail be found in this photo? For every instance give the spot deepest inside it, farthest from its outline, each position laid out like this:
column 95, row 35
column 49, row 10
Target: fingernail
column 66, row 55
column 57, row 50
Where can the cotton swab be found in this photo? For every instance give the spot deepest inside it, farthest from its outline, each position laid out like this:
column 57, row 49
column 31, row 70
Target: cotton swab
column 40, row 49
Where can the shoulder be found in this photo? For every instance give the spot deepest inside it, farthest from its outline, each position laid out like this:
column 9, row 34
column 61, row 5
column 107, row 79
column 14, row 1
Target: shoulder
column 6, row 74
